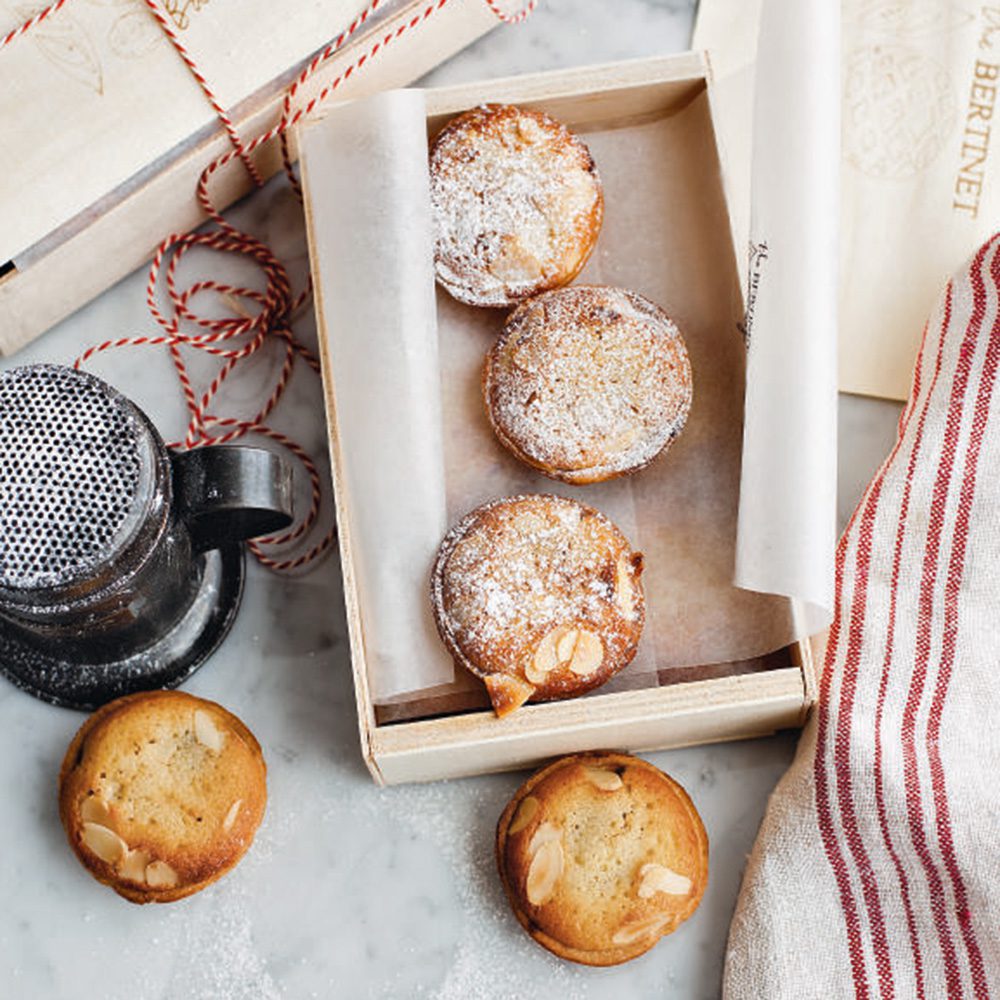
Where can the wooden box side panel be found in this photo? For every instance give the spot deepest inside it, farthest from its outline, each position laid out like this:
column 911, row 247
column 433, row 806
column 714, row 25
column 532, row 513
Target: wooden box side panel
column 107, row 242
column 586, row 97
column 654, row 719
column 363, row 703
column 813, row 653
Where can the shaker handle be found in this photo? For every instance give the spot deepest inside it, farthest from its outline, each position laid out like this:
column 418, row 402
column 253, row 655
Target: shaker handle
column 231, row 493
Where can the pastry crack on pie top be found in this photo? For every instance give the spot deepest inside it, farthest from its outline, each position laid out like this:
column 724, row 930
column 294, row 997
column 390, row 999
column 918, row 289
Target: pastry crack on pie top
column 540, row 596
column 517, row 204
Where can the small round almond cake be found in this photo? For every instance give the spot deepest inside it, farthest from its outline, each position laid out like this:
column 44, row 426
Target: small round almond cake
column 539, row 596
column 601, row 855
column 517, row 205
column 161, row 793
column 588, row 383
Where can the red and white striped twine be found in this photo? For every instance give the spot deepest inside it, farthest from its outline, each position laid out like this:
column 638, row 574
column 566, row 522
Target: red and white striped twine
column 44, row 13
column 260, row 317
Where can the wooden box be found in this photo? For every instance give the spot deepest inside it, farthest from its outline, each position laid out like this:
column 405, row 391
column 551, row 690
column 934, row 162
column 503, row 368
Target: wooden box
column 109, row 132
column 699, row 705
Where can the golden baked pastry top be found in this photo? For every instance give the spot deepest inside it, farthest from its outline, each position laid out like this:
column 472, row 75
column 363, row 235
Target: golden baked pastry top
column 587, row 383
column 517, row 204
column 539, row 596
column 161, row 793
column 601, row 854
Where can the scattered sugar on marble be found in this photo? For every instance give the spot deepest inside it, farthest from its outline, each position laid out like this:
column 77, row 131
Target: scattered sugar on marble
column 493, row 959
column 229, row 964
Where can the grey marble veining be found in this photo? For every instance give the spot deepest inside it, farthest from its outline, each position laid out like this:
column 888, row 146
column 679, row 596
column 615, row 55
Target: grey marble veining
column 349, row 891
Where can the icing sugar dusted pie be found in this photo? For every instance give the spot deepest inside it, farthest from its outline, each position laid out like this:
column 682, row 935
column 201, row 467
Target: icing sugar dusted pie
column 601, row 855
column 517, row 205
column 588, row 383
column 540, row 596
column 161, row 794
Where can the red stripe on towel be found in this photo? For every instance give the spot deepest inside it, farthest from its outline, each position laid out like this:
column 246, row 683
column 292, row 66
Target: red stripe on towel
column 824, row 813
column 842, row 753
column 883, row 819
column 842, row 741
column 925, row 619
column 953, row 584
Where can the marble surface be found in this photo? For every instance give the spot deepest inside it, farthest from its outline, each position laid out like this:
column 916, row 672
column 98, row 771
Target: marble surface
column 349, row 891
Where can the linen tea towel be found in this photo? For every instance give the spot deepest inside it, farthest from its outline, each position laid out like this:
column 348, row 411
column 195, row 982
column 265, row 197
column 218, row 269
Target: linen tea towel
column 876, row 872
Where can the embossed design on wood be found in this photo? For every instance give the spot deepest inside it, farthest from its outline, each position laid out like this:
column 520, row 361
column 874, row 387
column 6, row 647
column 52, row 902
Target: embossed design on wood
column 179, row 11
column 908, row 18
column 899, row 109
column 134, row 33
column 66, row 45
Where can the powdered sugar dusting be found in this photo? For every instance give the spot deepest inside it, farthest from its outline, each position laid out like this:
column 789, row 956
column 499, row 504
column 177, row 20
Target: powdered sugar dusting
column 514, row 569
column 586, row 383
column 517, row 205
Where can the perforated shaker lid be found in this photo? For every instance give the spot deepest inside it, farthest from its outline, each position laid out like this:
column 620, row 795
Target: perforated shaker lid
column 75, row 475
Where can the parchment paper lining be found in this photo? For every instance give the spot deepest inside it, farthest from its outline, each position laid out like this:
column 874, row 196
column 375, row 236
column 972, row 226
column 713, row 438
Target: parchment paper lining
column 666, row 234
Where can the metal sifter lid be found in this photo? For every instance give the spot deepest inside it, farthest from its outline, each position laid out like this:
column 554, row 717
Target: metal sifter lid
column 121, row 563
column 76, row 475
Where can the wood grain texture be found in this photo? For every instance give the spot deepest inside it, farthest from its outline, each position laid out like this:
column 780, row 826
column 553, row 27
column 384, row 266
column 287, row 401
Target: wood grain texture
column 70, row 260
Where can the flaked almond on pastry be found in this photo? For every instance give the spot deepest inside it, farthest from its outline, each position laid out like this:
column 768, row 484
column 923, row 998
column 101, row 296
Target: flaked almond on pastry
column 601, row 855
column 540, row 596
column 161, row 793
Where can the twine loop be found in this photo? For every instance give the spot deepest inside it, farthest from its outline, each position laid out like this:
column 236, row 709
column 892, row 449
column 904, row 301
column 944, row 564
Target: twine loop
column 258, row 317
